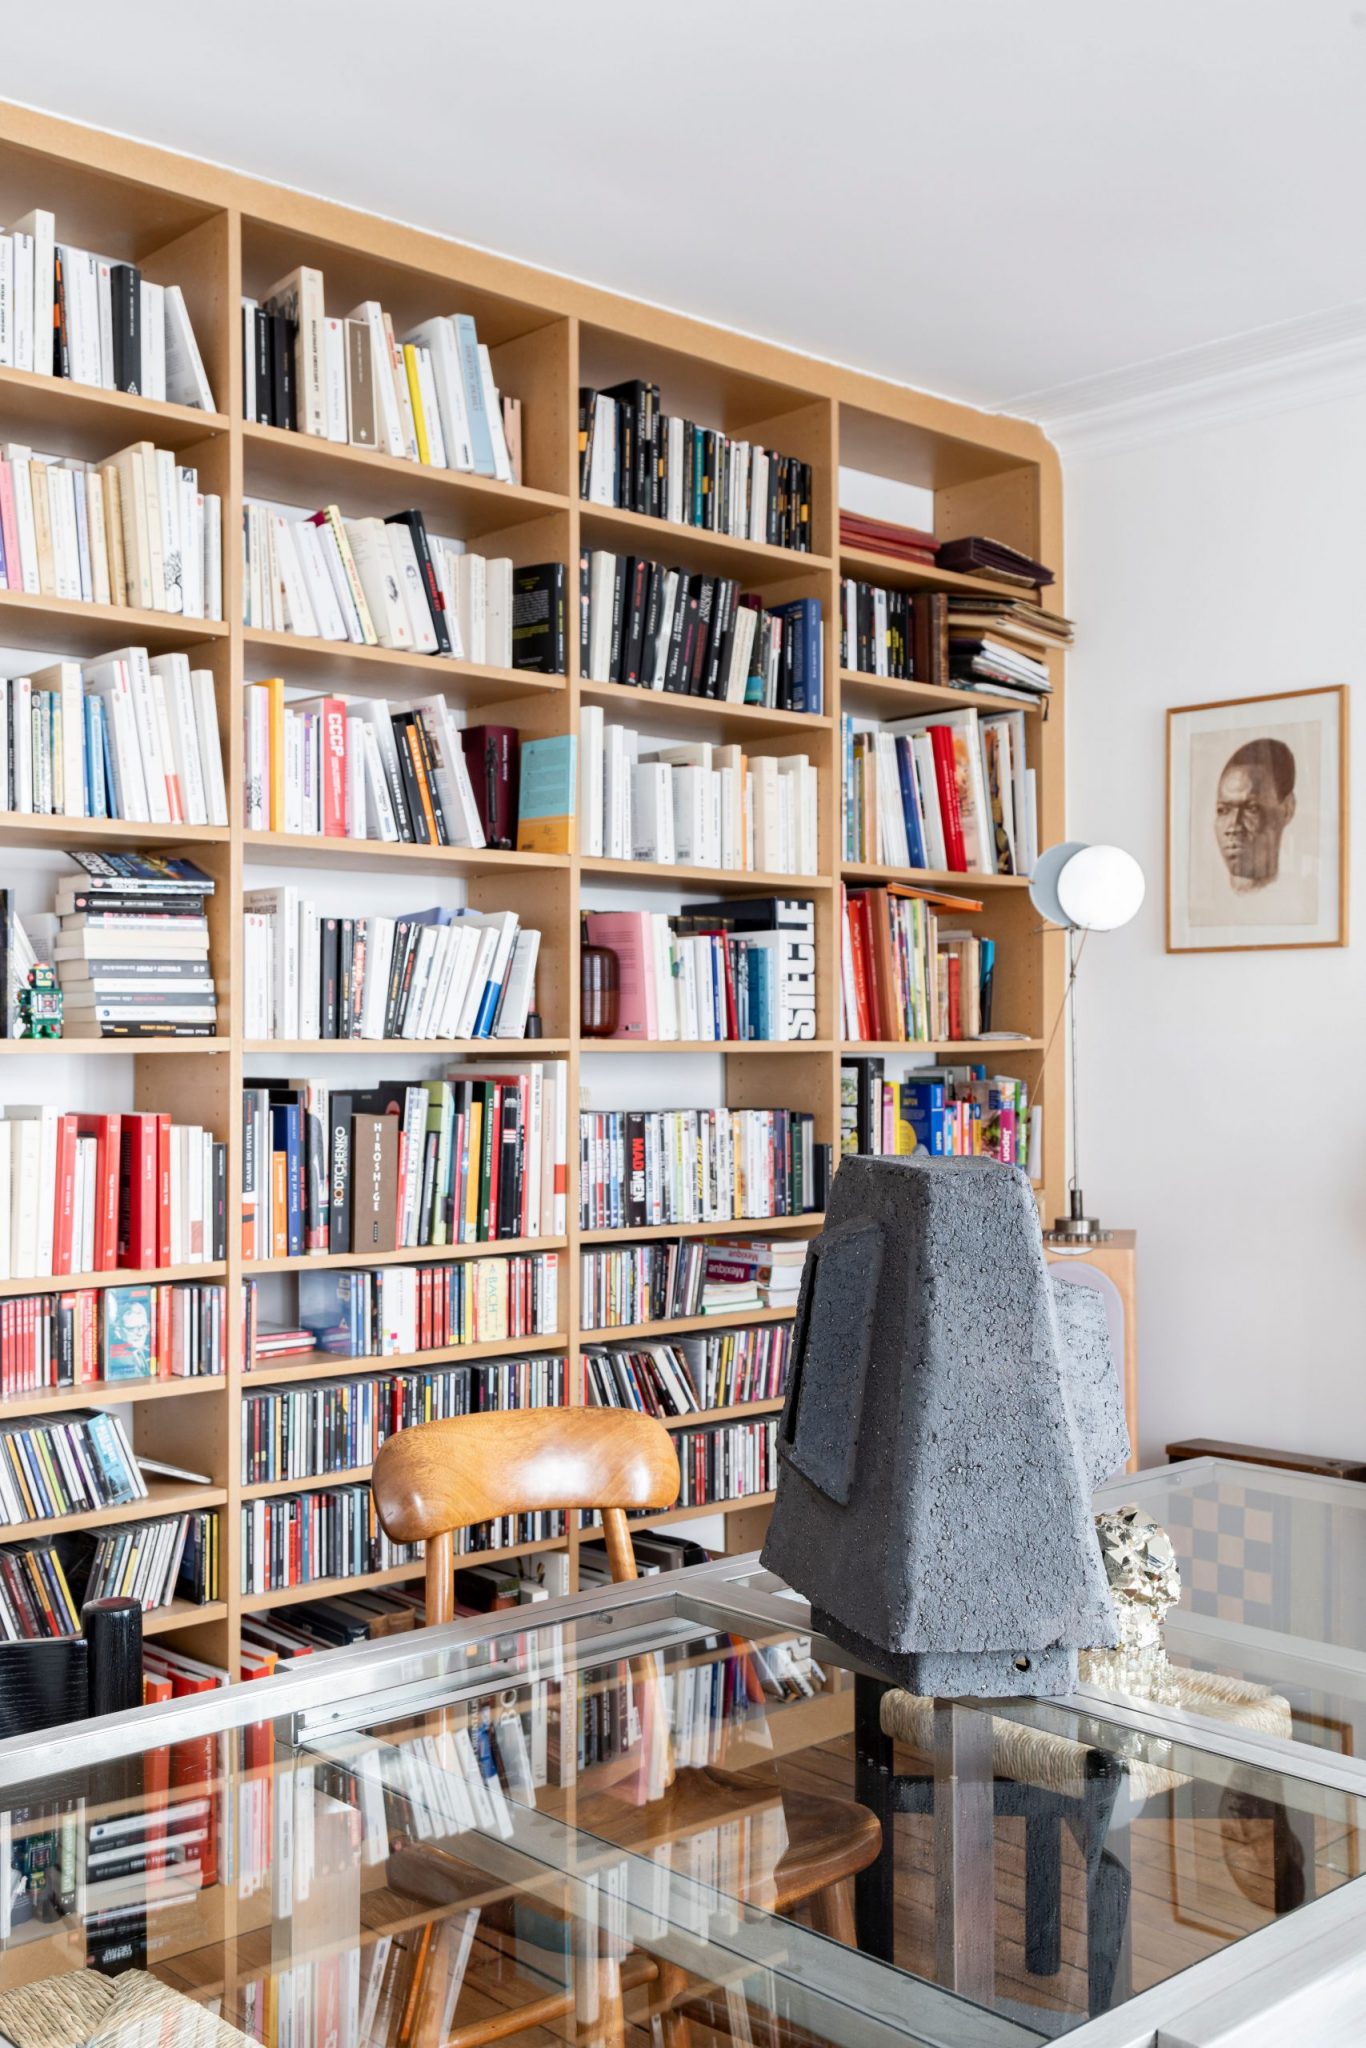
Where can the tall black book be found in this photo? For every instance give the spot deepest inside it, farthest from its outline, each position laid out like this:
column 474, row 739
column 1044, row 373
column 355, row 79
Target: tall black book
column 125, row 291
column 539, row 627
column 431, row 589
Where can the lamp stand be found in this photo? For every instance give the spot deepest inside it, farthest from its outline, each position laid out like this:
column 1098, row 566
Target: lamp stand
column 1076, row 1231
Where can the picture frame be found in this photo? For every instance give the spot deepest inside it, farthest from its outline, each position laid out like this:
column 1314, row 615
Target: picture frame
column 1257, row 822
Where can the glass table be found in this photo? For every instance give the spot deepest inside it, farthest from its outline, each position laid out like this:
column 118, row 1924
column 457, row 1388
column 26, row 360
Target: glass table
column 668, row 1814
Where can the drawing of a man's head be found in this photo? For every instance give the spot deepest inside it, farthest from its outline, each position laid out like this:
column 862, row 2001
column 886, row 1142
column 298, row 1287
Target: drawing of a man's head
column 1253, row 804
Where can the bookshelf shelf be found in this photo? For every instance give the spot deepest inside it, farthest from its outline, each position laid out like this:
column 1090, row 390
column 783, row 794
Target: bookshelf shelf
column 118, row 1048
column 99, row 1393
column 403, row 1048
column 370, row 670
column 700, row 712
column 83, row 629
column 682, row 1326
column 946, row 1048
column 988, row 473
column 164, row 1497
column 316, row 1262
column 305, row 850
column 280, row 464
column 183, row 1614
column 933, row 878
column 695, row 547
column 890, row 697
column 395, row 1575
column 25, row 828
column 61, row 1283
column 746, row 1226
column 106, row 420
column 729, row 881
column 709, row 1507
column 730, row 1046
column 741, row 1411
column 328, row 1365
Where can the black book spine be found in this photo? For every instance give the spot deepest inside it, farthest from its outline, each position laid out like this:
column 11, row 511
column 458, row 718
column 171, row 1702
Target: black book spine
column 220, row 1201
column 635, row 1169
column 346, row 963
column 585, row 607
column 61, row 331
column 331, row 972
column 393, row 1002
column 424, row 747
column 125, row 288
column 633, row 624
column 678, row 634
column 656, row 455
column 282, row 394
column 619, row 563
column 339, row 1161
column 721, row 635
column 706, row 606
column 649, row 649
column 431, row 589
column 265, row 370
column 586, row 398
column 412, row 794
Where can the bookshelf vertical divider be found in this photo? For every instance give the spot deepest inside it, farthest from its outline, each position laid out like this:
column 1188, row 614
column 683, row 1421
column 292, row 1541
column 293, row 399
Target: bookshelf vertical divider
column 218, row 234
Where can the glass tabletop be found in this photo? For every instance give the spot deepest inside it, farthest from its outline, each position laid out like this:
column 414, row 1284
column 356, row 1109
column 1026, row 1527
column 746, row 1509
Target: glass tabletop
column 667, row 1813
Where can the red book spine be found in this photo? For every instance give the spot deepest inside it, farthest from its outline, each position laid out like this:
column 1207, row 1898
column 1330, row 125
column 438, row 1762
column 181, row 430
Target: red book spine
column 163, row 1257
column 106, row 1135
column 334, row 767
column 946, row 776
column 494, row 1155
column 138, row 1192
column 955, row 985
column 64, row 1200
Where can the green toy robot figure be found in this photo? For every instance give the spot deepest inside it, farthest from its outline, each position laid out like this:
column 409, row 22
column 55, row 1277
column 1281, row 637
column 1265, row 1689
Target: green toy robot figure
column 40, row 1004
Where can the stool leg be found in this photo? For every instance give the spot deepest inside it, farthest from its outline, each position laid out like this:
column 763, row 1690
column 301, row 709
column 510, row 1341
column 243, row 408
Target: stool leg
column 1106, row 1850
column 1043, row 1891
column 874, row 1888
column 832, row 1913
column 1293, row 1850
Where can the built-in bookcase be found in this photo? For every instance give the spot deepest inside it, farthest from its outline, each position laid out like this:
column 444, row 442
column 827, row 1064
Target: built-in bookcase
column 219, row 236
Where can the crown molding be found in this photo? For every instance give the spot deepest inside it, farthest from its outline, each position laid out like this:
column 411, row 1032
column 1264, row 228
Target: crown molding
column 1294, row 363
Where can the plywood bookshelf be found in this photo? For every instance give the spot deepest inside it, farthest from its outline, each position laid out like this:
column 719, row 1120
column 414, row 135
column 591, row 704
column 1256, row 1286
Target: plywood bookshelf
column 218, row 235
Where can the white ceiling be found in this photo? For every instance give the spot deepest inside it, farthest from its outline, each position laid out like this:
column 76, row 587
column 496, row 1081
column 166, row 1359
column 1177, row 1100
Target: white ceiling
column 999, row 200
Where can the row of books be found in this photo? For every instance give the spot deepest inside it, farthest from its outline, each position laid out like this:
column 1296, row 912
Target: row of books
column 689, row 1375
column 904, row 975
column 654, row 628
column 665, row 1279
column 127, row 736
column 105, row 1335
column 643, row 1167
column 429, row 397
column 135, row 529
column 44, row 1584
column 634, row 455
column 726, row 1461
column 387, row 583
column 132, row 952
column 327, row 1426
column 396, row 1311
column 366, row 768
column 334, row 1533
column 424, row 974
column 951, row 790
column 993, row 644
column 695, row 804
column 404, row 1164
column 734, row 970
column 70, row 1463
column 89, row 1193
column 67, row 312
column 950, row 1112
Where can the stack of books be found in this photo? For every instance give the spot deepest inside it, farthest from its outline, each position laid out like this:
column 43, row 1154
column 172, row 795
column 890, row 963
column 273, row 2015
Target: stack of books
column 1000, row 644
column 902, row 976
column 689, row 1375
column 78, row 1462
column 102, row 1335
column 885, row 537
column 306, row 1432
column 404, row 1164
column 740, row 970
column 768, row 1268
column 951, row 791
column 135, row 529
column 951, row 1112
column 696, row 636
column 426, row 974
column 388, row 583
column 91, row 1193
column 978, row 555
column 126, row 736
column 396, row 1311
column 429, row 397
column 65, row 312
column 132, row 953
column 644, row 1167
column 695, row 804
column 634, row 455
column 728, row 1461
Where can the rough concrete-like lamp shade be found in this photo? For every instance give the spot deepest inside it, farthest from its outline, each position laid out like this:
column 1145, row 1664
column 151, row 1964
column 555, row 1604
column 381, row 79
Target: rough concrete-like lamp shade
column 947, row 1420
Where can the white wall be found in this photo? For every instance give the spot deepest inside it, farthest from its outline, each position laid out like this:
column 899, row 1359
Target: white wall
column 1224, row 1114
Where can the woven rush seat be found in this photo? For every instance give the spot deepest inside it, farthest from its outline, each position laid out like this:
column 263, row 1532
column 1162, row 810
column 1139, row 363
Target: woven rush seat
column 81, row 2009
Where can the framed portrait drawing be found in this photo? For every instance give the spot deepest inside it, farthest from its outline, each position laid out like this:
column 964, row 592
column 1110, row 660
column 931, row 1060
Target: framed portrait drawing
column 1257, row 822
